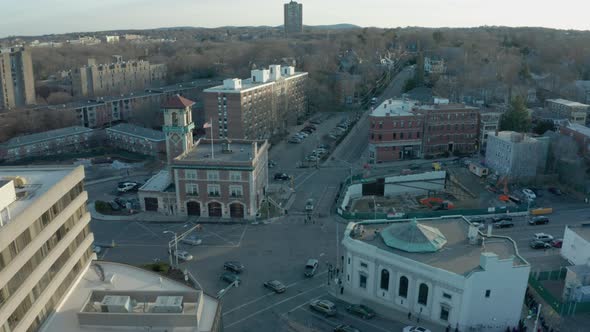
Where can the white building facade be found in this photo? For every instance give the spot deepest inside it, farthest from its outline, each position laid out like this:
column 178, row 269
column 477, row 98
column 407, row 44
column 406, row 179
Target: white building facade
column 516, row 155
column 487, row 293
column 576, row 244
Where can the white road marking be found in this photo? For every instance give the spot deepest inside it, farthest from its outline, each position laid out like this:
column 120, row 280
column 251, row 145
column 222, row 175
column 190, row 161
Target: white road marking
column 221, row 237
column 302, row 304
column 322, row 318
column 273, row 305
column 267, row 295
column 347, row 315
column 146, row 228
column 242, row 237
column 306, row 178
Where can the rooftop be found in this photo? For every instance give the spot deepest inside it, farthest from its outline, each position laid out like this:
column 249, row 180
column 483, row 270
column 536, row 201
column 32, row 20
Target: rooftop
column 36, row 182
column 582, row 230
column 178, row 102
column 237, row 152
column 568, row 103
column 457, row 255
column 137, row 131
column 82, row 310
column 579, row 128
column 44, row 136
column 248, row 84
column 395, row 107
column 514, row 137
column 158, row 182
column 446, row 107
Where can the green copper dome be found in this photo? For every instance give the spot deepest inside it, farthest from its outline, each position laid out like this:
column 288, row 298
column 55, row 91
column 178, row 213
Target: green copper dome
column 413, row 237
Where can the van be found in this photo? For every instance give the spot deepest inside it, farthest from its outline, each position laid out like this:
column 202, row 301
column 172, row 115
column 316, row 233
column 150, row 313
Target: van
column 311, row 267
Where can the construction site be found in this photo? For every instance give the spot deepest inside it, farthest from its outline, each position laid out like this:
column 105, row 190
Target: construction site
column 454, row 187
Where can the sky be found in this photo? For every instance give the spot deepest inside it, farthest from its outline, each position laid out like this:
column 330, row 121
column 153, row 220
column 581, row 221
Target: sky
column 37, row 17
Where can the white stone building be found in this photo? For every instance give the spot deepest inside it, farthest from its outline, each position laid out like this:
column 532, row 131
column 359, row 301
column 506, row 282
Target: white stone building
column 516, row 155
column 434, row 270
column 576, row 244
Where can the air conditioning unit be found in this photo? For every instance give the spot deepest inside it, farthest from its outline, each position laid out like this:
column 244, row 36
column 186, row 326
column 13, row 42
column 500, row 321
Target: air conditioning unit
column 168, row 304
column 116, row 303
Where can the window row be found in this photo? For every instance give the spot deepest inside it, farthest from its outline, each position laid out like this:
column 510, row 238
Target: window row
column 192, row 174
column 213, row 190
column 402, row 135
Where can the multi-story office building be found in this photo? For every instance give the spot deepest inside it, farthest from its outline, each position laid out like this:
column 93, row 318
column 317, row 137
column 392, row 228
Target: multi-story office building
column 259, row 107
column 516, row 155
column 293, row 17
column 45, row 241
column 17, row 84
column 395, row 132
column 116, row 78
column 575, row 112
column 449, row 128
column 444, row 271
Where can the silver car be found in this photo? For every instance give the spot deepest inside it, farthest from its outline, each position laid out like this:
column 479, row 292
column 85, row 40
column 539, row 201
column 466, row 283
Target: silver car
column 191, row 240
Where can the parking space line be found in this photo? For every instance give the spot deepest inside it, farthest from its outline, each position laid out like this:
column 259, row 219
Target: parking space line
column 324, row 319
column 267, row 295
column 242, row 237
column 301, row 305
column 273, row 305
column 306, row 178
column 221, row 237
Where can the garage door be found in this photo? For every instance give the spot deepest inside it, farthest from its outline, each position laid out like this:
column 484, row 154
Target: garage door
column 151, row 204
column 236, row 210
column 193, row 208
column 214, row 209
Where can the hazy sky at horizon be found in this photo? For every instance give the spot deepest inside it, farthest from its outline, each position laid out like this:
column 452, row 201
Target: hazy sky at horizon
column 36, row 17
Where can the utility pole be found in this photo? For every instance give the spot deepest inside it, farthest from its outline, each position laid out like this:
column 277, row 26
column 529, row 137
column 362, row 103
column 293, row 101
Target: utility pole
column 537, row 319
column 175, row 247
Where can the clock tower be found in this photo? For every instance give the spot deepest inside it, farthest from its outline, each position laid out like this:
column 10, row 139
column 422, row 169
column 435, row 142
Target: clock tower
column 178, row 126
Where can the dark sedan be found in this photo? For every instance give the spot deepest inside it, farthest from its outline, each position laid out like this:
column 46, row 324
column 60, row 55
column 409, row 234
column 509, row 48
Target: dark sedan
column 233, row 266
column 361, row 311
column 281, row 176
column 538, row 244
column 275, row 285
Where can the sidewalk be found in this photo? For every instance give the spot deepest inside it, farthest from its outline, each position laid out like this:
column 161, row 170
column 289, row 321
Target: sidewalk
column 385, row 312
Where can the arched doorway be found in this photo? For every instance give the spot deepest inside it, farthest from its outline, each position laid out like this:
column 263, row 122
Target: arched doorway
column 236, row 210
column 193, row 208
column 214, row 209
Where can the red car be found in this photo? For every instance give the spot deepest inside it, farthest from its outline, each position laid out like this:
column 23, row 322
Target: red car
column 557, row 243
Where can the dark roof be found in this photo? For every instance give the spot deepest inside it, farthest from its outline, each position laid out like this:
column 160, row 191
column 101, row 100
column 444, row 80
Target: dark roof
column 141, row 132
column 178, row 102
column 44, row 136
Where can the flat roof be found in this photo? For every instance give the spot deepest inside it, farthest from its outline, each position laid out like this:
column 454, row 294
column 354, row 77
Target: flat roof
column 566, row 102
column 579, row 128
column 127, row 278
column 241, row 152
column 248, row 84
column 44, row 136
column 137, row 131
column 38, row 180
column 395, row 107
column 447, row 107
column 158, row 182
column 457, row 255
column 582, row 230
column 507, row 137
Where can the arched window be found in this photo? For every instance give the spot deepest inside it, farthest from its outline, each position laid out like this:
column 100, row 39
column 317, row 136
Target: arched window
column 384, row 279
column 403, row 287
column 423, row 294
column 174, row 119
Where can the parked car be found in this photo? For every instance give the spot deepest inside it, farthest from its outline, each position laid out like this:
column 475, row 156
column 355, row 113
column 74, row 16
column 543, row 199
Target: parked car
column 114, row 206
column 538, row 244
column 345, row 328
column 311, row 158
column 192, row 240
column 539, row 220
column 557, row 243
column 361, row 310
column 326, row 307
column 311, row 267
column 230, row 277
column 233, row 266
column 555, row 191
column 503, row 224
column 294, row 140
column 529, row 194
column 500, row 218
column 315, row 121
column 543, row 237
column 271, row 163
column 415, row 329
column 324, row 146
column 127, row 186
column 308, row 131
column 275, row 285
column 303, row 134
column 281, row 176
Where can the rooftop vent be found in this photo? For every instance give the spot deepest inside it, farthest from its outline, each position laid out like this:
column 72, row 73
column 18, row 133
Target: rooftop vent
column 116, row 303
column 168, row 304
column 226, row 147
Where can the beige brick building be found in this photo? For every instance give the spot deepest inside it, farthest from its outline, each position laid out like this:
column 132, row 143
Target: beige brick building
column 259, row 107
column 115, row 78
column 17, row 84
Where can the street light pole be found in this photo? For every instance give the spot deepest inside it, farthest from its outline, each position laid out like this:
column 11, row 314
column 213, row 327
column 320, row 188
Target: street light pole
column 175, row 247
column 537, row 319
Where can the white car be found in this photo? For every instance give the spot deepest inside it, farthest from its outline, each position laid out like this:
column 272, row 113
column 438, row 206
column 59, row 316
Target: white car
column 191, row 240
column 415, row 329
column 529, row 194
column 543, row 237
column 183, row 255
column 124, row 187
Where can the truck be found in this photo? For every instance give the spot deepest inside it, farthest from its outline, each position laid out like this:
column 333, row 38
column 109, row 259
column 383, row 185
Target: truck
column 541, row 211
column 478, row 169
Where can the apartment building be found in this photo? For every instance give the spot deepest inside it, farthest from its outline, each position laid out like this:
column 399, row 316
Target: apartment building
column 116, row 78
column 137, row 139
column 443, row 271
column 434, row 65
column 45, row 241
column 48, row 143
column 449, row 128
column 395, row 132
column 516, row 155
column 580, row 134
column 259, row 107
column 572, row 110
column 293, row 14
column 17, row 83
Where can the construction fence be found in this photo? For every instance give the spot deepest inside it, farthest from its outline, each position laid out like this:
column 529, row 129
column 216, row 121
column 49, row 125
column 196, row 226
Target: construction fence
column 563, row 308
